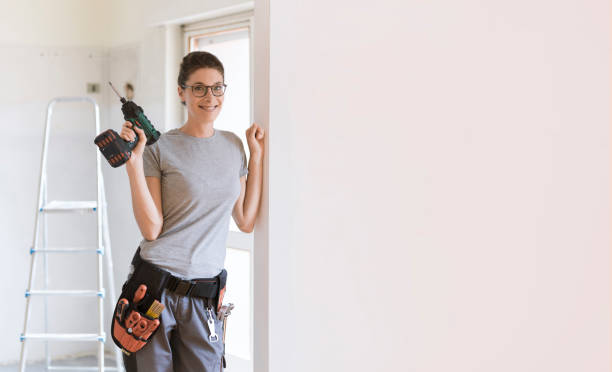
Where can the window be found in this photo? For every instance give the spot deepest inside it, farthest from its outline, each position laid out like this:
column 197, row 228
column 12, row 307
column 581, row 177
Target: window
column 232, row 48
column 229, row 38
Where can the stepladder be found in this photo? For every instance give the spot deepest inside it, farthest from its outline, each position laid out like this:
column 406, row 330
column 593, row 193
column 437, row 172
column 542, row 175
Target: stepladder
column 43, row 255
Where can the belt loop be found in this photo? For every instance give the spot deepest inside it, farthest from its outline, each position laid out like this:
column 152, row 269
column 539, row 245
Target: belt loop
column 183, row 288
column 171, row 283
column 216, row 297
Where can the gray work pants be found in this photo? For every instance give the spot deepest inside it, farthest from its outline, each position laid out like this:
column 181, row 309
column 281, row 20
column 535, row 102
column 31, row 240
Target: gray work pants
column 181, row 344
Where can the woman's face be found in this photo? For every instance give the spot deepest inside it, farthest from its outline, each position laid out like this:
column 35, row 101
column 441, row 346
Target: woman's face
column 202, row 109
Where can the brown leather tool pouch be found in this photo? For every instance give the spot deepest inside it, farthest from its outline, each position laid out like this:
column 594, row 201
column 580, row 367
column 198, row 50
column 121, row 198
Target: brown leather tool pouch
column 137, row 315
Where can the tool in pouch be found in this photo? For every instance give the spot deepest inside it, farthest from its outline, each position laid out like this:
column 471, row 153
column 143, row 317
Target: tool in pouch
column 223, row 313
column 116, row 150
column 210, row 321
column 209, row 318
column 134, row 323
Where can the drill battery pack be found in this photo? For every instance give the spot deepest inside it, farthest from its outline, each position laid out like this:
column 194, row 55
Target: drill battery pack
column 114, row 148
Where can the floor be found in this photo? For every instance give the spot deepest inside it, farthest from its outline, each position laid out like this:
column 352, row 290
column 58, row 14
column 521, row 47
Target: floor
column 234, row 364
column 78, row 361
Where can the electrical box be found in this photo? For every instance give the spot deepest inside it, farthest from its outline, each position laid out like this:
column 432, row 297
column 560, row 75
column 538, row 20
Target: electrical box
column 93, row 88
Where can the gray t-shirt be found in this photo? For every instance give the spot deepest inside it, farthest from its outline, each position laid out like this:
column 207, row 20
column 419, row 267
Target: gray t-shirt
column 200, row 183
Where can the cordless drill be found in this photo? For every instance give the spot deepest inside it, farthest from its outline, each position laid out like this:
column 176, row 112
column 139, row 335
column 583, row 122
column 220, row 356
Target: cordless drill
column 114, row 148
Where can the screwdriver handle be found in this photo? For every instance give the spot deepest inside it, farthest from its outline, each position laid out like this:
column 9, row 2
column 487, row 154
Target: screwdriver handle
column 121, row 307
column 141, row 327
column 140, row 293
column 152, row 327
column 132, row 320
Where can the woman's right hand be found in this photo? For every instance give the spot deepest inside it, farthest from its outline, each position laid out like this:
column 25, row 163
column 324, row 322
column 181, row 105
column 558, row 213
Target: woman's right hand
column 128, row 134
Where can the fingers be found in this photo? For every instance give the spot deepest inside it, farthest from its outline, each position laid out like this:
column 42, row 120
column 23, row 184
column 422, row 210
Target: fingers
column 129, row 132
column 126, row 132
column 255, row 131
column 142, row 140
column 141, row 134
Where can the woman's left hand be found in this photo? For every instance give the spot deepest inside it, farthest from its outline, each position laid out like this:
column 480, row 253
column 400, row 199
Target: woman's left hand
column 255, row 140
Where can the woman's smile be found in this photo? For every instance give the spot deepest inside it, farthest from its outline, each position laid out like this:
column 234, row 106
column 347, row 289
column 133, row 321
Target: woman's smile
column 208, row 107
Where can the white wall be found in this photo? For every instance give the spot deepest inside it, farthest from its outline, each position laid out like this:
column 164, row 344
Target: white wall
column 131, row 20
column 457, row 219
column 54, row 23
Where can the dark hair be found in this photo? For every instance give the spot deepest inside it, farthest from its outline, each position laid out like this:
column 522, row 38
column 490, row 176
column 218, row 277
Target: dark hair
column 195, row 60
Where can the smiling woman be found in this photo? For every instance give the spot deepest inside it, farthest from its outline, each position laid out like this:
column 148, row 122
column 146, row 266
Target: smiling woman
column 185, row 187
column 201, row 72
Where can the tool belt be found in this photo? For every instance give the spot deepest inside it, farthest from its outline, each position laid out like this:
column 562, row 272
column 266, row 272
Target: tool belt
column 138, row 312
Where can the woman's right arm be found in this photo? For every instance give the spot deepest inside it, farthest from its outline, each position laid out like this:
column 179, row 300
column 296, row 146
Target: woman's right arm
column 146, row 191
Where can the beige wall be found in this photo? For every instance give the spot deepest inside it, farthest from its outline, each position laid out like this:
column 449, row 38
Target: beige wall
column 111, row 23
column 156, row 12
column 58, row 23
column 457, row 218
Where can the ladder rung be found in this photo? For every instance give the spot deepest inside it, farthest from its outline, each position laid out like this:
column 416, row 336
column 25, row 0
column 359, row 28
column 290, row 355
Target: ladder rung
column 66, row 250
column 77, row 368
column 63, row 337
column 78, row 292
column 69, row 206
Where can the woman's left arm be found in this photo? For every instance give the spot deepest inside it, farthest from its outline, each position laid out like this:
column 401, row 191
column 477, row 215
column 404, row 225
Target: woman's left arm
column 247, row 206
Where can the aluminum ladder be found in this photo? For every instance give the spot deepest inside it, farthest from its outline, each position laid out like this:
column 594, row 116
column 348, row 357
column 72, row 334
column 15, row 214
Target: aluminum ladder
column 39, row 247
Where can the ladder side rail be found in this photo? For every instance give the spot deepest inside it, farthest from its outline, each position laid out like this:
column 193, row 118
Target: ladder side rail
column 107, row 251
column 100, row 237
column 45, row 260
column 110, row 272
column 42, row 182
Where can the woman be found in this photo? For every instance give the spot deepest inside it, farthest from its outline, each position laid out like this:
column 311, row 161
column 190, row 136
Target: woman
column 184, row 188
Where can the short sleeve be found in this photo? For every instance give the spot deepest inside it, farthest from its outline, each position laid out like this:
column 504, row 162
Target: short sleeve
column 243, row 166
column 150, row 161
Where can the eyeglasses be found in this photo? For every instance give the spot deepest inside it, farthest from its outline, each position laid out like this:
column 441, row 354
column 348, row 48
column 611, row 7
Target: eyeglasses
column 201, row 90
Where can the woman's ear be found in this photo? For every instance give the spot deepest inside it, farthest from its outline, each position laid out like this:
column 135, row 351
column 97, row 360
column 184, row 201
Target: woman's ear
column 180, row 92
